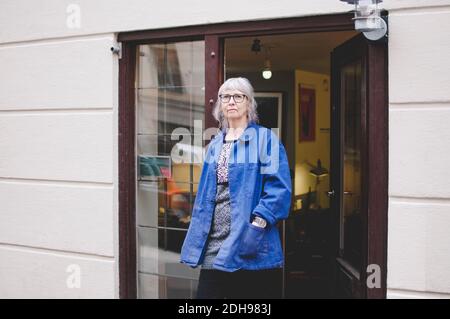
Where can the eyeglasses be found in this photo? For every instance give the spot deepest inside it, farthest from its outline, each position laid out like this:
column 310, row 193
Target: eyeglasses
column 238, row 98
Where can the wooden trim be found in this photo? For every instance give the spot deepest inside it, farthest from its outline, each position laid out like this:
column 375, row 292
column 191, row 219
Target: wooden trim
column 127, row 169
column 377, row 131
column 336, row 22
column 214, row 35
column 213, row 76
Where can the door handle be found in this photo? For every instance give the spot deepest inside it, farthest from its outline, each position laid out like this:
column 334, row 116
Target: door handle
column 330, row 194
column 348, row 193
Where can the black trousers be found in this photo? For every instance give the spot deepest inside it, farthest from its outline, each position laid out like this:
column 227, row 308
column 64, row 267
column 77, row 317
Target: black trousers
column 241, row 284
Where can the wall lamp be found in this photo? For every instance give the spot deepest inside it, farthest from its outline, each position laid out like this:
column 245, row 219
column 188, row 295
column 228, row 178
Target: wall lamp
column 367, row 18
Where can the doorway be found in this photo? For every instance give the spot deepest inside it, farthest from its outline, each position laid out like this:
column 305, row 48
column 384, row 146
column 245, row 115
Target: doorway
column 294, row 71
column 313, row 91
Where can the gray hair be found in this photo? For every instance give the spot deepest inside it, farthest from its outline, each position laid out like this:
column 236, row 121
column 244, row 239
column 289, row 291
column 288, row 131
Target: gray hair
column 243, row 85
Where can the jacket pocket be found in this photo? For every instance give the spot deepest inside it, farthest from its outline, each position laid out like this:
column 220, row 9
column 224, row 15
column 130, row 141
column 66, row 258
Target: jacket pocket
column 251, row 181
column 251, row 240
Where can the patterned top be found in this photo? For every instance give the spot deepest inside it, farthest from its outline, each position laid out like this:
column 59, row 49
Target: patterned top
column 220, row 228
column 222, row 164
column 221, row 225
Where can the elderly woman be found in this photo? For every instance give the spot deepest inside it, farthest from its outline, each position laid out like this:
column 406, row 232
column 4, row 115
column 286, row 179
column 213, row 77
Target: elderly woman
column 244, row 190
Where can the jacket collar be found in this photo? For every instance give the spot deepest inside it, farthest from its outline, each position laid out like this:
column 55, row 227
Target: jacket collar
column 247, row 135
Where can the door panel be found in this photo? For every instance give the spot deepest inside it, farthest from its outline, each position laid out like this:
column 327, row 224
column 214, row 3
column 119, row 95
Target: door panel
column 359, row 133
column 352, row 102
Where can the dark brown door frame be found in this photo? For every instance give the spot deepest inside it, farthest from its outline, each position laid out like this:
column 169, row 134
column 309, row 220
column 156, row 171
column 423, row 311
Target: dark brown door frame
column 213, row 35
column 127, row 171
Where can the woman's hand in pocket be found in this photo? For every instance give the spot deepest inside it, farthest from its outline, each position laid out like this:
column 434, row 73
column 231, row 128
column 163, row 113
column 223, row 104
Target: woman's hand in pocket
column 251, row 240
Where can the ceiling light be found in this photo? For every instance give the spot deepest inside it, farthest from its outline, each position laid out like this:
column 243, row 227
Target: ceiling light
column 267, row 71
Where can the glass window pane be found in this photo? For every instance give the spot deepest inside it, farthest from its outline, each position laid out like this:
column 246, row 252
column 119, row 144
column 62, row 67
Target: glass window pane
column 177, row 70
column 198, row 64
column 170, row 95
column 198, row 82
column 151, row 286
column 179, row 64
column 180, row 203
column 151, row 144
column 197, row 157
column 161, row 287
column 197, row 104
column 352, row 103
column 181, row 172
column 182, row 107
column 159, row 253
column 164, row 204
column 180, row 288
column 197, row 171
column 150, row 66
column 177, row 213
column 186, row 160
column 149, row 203
column 151, row 111
column 177, row 103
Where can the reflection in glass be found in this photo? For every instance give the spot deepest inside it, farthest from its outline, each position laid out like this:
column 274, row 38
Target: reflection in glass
column 164, row 204
column 198, row 64
column 150, row 106
column 178, row 66
column 186, row 159
column 177, row 104
column 169, row 145
column 149, row 287
column 161, row 287
column 170, row 95
column 150, row 68
column 171, row 77
column 149, row 203
column 352, row 95
column 158, row 251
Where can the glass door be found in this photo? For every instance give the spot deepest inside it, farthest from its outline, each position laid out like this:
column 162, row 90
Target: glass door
column 358, row 166
column 353, row 103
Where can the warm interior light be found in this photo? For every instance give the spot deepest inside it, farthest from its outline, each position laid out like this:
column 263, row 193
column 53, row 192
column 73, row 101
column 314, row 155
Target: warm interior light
column 267, row 72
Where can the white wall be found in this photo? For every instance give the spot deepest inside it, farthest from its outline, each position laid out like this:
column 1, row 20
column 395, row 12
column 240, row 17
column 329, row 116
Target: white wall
column 58, row 167
column 22, row 20
column 419, row 152
column 58, row 137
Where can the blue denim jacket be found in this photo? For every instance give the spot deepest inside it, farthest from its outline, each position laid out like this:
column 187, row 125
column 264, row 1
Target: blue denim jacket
column 260, row 185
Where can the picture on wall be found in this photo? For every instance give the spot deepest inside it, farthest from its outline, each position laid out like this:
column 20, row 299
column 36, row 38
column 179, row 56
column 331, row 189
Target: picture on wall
column 270, row 110
column 307, row 114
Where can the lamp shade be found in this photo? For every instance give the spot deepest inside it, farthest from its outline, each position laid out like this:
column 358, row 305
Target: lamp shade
column 319, row 170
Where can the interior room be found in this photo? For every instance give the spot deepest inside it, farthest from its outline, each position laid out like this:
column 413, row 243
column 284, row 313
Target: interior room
column 291, row 77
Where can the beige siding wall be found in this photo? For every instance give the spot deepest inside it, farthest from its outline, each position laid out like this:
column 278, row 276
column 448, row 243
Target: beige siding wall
column 58, row 167
column 419, row 148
